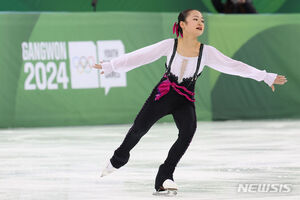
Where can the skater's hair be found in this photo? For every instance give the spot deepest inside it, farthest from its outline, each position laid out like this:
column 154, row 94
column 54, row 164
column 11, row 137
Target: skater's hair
column 182, row 16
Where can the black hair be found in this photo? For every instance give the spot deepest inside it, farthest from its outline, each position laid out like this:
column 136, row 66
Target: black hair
column 182, row 16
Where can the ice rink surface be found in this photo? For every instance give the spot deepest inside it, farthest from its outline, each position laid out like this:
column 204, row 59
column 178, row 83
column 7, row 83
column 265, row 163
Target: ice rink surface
column 65, row 163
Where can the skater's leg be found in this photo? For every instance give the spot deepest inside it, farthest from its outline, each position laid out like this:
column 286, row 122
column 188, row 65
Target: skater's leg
column 186, row 122
column 148, row 115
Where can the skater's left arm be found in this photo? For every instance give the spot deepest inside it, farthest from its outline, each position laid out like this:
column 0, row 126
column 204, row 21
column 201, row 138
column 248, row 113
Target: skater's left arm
column 217, row 60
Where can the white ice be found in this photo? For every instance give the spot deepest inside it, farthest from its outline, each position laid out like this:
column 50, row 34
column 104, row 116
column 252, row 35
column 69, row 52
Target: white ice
column 65, row 163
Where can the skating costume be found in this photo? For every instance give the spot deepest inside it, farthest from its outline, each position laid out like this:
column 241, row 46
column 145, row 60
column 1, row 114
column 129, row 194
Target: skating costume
column 173, row 94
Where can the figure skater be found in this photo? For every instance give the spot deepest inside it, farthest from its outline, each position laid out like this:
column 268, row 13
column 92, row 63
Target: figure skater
column 174, row 93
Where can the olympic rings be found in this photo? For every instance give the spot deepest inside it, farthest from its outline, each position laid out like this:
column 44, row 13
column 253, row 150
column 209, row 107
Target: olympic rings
column 83, row 64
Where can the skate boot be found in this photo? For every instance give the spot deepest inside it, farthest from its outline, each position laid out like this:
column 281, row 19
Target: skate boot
column 169, row 188
column 108, row 169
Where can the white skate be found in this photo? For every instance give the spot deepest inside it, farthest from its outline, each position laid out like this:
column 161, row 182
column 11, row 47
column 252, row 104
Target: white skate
column 108, row 169
column 169, row 188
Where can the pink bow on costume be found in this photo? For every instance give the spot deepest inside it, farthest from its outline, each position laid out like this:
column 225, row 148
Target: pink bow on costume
column 164, row 88
column 175, row 28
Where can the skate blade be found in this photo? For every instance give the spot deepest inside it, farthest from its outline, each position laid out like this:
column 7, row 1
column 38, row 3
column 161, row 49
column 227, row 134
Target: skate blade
column 168, row 192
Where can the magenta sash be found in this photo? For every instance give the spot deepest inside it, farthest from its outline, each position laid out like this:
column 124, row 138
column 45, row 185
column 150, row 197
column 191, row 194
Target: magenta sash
column 164, row 88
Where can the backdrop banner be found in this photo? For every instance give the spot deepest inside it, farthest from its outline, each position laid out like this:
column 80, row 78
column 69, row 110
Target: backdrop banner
column 47, row 79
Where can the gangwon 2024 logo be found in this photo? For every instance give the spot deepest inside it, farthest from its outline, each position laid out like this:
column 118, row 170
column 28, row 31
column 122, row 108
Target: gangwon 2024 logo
column 48, row 66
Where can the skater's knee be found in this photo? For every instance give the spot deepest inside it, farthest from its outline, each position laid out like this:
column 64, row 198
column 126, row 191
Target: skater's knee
column 138, row 130
column 193, row 128
column 187, row 132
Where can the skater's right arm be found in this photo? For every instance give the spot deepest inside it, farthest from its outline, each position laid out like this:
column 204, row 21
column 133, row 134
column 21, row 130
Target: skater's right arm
column 134, row 59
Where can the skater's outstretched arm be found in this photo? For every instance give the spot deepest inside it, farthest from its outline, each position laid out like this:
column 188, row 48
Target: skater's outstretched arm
column 134, row 59
column 217, row 60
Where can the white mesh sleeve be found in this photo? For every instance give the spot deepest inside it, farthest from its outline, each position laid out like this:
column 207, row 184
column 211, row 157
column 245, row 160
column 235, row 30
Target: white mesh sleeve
column 139, row 57
column 220, row 62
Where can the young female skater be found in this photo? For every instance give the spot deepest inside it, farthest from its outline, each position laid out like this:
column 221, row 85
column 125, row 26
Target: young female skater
column 174, row 93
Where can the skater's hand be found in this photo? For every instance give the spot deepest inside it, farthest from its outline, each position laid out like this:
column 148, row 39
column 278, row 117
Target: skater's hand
column 279, row 80
column 99, row 66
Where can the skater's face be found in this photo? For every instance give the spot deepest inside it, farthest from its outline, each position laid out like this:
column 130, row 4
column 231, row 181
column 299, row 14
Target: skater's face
column 193, row 25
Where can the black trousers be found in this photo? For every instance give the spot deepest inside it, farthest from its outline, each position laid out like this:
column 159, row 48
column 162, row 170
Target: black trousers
column 183, row 112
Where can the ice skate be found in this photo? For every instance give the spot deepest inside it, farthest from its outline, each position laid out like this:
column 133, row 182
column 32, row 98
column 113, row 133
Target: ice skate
column 169, row 188
column 108, row 169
